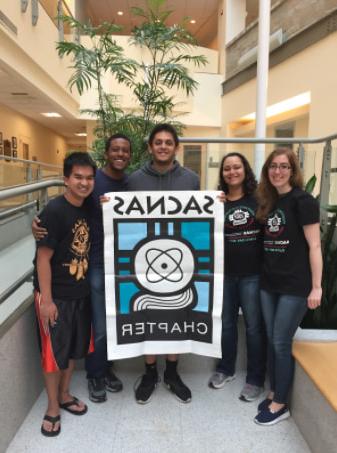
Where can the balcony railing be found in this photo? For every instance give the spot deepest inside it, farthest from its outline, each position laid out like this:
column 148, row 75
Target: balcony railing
column 54, row 10
column 18, row 172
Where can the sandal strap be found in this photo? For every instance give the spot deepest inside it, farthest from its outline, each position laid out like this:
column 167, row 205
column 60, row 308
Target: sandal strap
column 73, row 402
column 51, row 419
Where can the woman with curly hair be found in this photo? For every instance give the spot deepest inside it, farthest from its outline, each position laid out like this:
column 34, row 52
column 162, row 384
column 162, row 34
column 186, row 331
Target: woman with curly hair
column 243, row 254
column 292, row 270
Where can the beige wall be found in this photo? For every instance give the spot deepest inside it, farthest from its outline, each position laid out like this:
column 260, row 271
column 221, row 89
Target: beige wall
column 312, row 70
column 31, row 54
column 43, row 143
column 204, row 108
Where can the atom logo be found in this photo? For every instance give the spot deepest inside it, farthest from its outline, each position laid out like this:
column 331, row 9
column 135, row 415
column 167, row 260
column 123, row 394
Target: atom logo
column 164, row 265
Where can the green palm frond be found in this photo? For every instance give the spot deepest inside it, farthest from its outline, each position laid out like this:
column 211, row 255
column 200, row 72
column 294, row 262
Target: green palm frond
column 310, row 185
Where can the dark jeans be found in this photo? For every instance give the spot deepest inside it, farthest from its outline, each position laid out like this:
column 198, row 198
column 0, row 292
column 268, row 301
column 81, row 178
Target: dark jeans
column 96, row 363
column 282, row 314
column 243, row 292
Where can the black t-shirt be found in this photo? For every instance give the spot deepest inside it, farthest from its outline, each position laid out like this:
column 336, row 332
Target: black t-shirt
column 243, row 237
column 286, row 266
column 68, row 236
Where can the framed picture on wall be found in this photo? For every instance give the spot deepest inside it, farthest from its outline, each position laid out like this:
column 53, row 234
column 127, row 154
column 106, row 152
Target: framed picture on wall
column 7, row 149
column 14, row 143
column 1, row 139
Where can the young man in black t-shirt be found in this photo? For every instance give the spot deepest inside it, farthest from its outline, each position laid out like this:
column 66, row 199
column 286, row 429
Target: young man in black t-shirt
column 110, row 178
column 62, row 290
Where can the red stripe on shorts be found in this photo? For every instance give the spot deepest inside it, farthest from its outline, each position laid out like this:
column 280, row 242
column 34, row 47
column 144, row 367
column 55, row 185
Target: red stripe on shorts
column 92, row 343
column 48, row 362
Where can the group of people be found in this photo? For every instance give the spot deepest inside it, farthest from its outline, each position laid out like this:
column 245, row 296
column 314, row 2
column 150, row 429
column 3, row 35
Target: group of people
column 273, row 269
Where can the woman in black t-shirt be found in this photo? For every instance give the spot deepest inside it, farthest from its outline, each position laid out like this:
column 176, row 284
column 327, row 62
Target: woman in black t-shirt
column 292, row 270
column 243, row 256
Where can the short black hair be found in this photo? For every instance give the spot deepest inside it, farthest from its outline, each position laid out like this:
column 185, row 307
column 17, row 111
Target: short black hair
column 164, row 127
column 80, row 158
column 115, row 137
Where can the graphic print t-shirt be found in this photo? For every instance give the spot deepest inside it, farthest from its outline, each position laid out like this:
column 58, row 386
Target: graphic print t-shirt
column 68, row 236
column 243, row 238
column 286, row 267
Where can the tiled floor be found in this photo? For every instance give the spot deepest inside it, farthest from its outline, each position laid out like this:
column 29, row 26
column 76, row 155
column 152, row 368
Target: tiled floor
column 216, row 421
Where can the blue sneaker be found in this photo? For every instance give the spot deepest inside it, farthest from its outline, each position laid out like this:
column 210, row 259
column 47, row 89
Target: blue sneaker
column 264, row 404
column 267, row 418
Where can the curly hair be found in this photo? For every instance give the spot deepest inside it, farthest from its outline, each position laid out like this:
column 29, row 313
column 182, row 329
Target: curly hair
column 115, row 137
column 266, row 193
column 249, row 183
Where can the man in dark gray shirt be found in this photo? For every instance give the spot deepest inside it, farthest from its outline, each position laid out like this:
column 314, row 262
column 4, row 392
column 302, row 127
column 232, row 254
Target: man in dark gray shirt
column 163, row 172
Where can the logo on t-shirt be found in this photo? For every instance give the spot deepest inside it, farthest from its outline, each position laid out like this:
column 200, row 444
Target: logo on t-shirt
column 239, row 216
column 275, row 223
column 79, row 248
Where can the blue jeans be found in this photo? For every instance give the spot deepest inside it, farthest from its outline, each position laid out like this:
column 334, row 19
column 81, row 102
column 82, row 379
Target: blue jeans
column 96, row 363
column 243, row 292
column 282, row 315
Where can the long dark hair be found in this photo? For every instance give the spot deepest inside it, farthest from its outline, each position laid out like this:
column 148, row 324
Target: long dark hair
column 266, row 193
column 249, row 183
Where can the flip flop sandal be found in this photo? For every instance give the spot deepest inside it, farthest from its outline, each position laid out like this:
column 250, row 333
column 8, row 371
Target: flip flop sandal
column 53, row 421
column 74, row 402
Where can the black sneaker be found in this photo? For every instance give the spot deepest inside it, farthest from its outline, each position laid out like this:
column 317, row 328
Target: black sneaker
column 176, row 385
column 112, row 383
column 96, row 387
column 146, row 387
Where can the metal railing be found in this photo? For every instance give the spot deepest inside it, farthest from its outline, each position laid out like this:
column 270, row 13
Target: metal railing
column 26, row 277
column 301, row 141
column 15, row 171
column 12, row 192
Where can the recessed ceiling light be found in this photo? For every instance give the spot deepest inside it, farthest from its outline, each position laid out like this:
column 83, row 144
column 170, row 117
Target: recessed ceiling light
column 120, row 13
column 81, row 134
column 51, row 115
column 193, row 21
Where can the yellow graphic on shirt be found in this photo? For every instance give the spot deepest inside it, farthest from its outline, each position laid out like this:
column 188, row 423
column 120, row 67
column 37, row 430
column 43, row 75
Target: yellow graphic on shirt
column 80, row 248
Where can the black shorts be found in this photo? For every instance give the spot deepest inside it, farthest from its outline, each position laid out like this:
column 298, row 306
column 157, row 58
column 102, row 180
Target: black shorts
column 71, row 336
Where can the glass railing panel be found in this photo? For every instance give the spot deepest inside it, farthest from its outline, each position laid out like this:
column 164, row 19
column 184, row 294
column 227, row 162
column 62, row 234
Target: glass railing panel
column 53, row 9
column 12, row 173
column 16, row 172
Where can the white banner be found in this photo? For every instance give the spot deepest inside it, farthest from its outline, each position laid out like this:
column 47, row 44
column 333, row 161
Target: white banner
column 164, row 262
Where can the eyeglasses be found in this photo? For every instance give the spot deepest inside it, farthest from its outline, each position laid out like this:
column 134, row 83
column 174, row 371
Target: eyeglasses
column 281, row 167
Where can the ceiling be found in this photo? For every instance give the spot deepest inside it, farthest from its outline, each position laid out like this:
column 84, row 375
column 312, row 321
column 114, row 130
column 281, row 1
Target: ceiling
column 23, row 97
column 31, row 102
column 204, row 12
